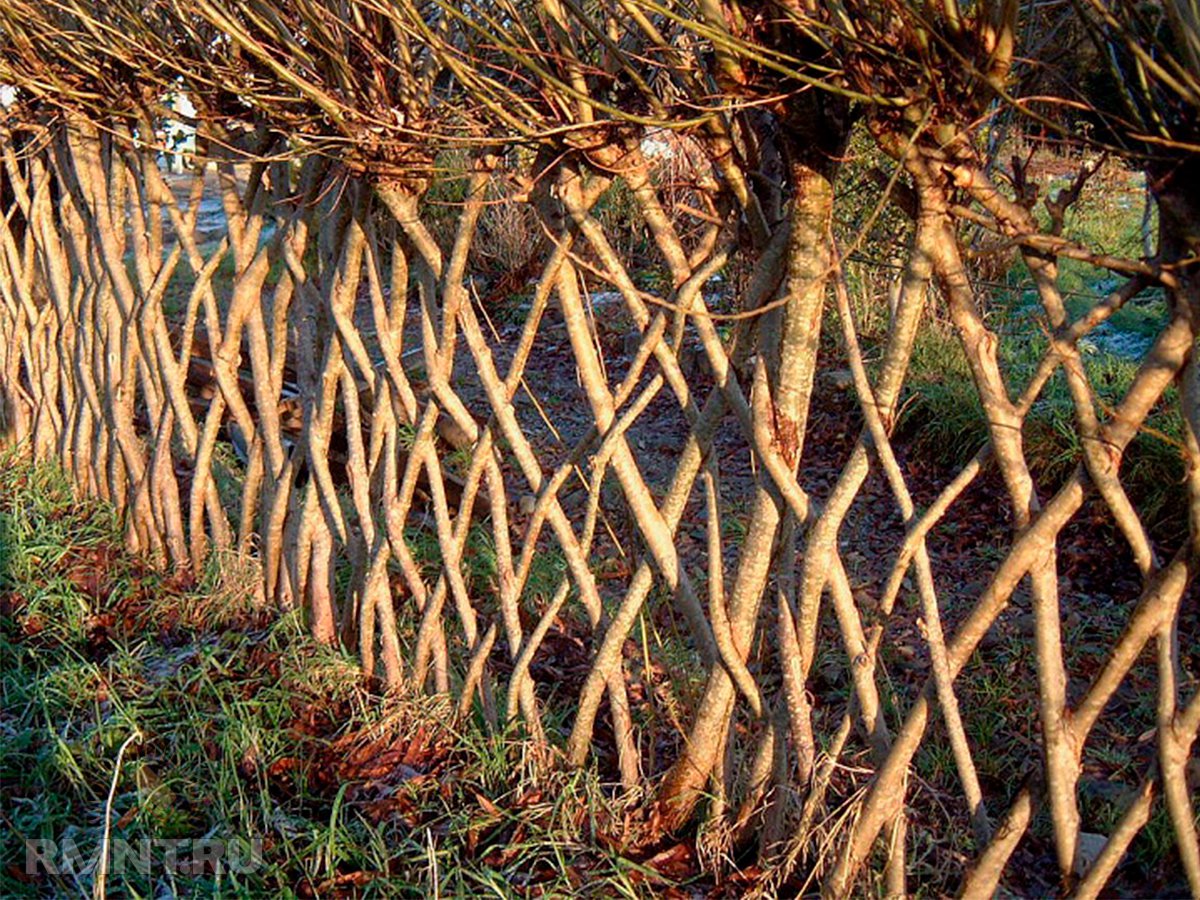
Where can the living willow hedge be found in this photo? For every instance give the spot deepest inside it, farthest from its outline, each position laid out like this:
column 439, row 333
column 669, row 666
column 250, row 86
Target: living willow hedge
column 317, row 381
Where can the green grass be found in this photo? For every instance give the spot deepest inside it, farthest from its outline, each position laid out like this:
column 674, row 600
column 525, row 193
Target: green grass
column 245, row 731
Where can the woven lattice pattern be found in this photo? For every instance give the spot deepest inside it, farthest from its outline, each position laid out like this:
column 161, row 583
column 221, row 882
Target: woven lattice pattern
column 576, row 494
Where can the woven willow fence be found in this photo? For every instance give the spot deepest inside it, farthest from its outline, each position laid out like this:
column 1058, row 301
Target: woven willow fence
column 323, row 382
